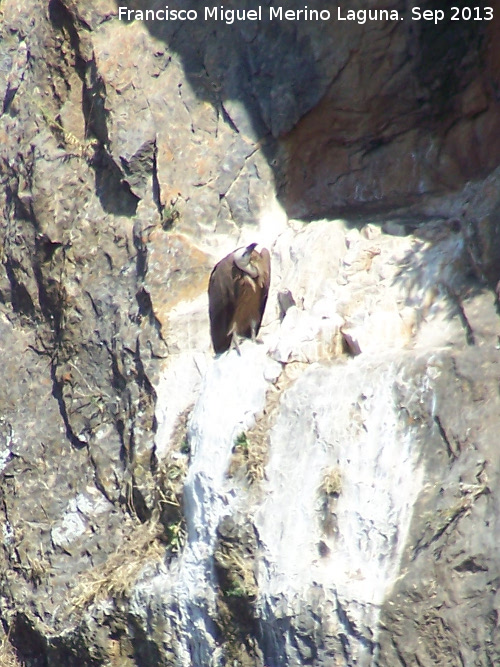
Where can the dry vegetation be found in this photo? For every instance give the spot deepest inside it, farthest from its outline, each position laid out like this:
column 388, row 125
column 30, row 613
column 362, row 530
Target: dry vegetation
column 328, row 492
column 251, row 449
column 146, row 543
column 170, row 486
column 115, row 577
column 235, row 571
column 234, row 560
column 8, row 657
column 249, row 458
column 331, row 484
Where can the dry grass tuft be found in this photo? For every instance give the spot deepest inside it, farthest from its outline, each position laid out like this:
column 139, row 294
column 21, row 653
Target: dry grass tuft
column 249, row 457
column 80, row 148
column 331, row 484
column 148, row 543
column 256, row 463
column 170, row 482
column 179, row 441
column 234, row 561
column 118, row 574
column 251, row 449
column 8, row 656
column 328, row 492
column 235, row 572
column 170, row 486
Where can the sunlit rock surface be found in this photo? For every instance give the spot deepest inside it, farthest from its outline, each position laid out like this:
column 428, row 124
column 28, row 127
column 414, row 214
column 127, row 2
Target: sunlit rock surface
column 329, row 497
column 354, row 451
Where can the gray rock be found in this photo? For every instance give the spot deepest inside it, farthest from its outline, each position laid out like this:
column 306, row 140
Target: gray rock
column 335, row 507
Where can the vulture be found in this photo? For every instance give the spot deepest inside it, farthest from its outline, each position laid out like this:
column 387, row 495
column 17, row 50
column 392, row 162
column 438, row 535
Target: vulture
column 237, row 296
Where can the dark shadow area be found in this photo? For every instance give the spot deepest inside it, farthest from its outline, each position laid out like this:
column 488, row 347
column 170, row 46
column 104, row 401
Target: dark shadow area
column 145, row 650
column 113, row 191
column 448, row 52
column 269, row 67
column 361, row 120
column 57, row 393
column 326, row 103
column 424, row 270
column 30, row 645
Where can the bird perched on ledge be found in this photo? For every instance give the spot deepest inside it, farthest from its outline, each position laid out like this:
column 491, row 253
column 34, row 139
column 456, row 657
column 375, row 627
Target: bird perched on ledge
column 237, row 296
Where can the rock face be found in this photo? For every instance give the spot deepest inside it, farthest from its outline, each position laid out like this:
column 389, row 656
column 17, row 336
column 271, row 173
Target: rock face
column 330, row 496
column 410, row 116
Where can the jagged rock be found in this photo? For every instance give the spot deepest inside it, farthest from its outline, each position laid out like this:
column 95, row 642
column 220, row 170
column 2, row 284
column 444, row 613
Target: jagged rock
column 365, row 131
column 341, row 500
column 306, row 338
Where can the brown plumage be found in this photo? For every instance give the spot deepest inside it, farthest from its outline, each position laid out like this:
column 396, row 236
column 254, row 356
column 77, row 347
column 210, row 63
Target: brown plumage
column 237, row 296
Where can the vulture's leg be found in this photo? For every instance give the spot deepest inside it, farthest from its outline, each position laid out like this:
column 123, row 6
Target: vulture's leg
column 234, row 343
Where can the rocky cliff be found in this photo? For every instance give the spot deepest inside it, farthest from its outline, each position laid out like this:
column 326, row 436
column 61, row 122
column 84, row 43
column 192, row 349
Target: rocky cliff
column 329, row 496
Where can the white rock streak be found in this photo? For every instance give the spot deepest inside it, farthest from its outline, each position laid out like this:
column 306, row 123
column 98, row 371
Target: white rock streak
column 382, row 294
column 233, row 391
column 343, row 418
